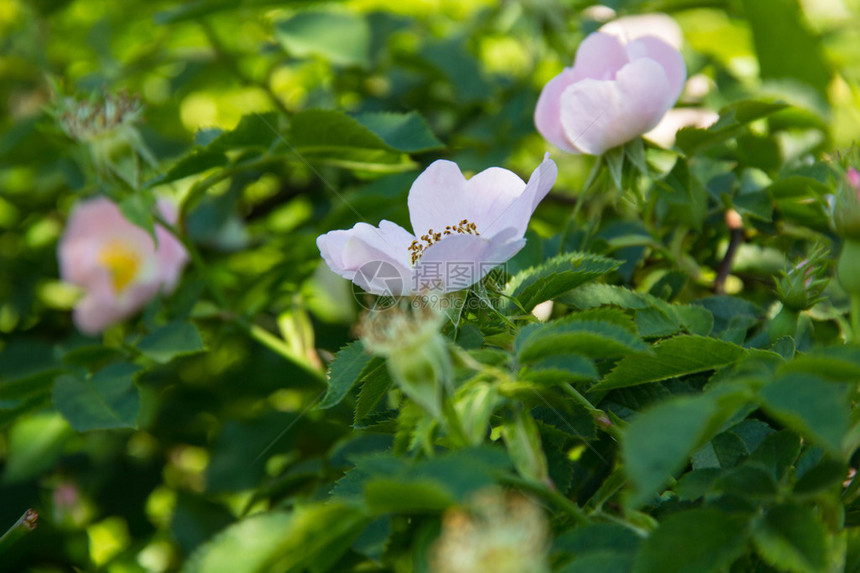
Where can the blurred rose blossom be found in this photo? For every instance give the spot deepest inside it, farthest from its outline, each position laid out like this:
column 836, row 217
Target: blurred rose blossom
column 624, row 79
column 116, row 263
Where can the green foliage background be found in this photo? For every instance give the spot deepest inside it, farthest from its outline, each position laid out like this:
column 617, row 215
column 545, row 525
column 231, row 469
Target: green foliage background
column 664, row 419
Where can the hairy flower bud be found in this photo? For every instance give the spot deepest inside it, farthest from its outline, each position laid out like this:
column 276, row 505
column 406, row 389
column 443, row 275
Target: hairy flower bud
column 800, row 288
column 496, row 533
column 409, row 338
column 106, row 124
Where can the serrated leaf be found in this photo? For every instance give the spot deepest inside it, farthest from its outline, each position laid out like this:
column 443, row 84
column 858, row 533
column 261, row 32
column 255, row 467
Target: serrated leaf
column 407, row 132
column 564, row 368
column 342, row 38
column 279, row 541
column 654, row 316
column 556, row 277
column 674, row 357
column 174, row 339
column 702, row 540
column 659, row 442
column 591, row 338
column 108, row 399
column 347, row 366
column 814, row 407
column 791, row 538
column 733, row 118
column 375, row 385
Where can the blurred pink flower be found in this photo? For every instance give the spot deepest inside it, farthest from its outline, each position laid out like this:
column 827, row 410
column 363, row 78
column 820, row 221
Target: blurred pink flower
column 115, row 262
column 621, row 84
column 853, row 177
column 463, row 229
column 629, row 28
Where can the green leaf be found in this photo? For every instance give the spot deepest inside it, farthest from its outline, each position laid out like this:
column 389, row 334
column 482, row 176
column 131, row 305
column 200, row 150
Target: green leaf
column 827, row 474
column 732, row 120
column 784, row 44
column 342, row 38
column 748, row 480
column 348, row 364
column 659, row 442
column 654, row 316
column 814, row 407
column 597, row 537
column 606, row 561
column 374, row 386
column 254, row 131
column 137, row 209
column 556, row 277
column 390, row 495
column 791, row 538
column 197, row 161
column 308, row 537
column 107, row 399
column 591, row 338
column 334, row 137
column 696, row 483
column 696, row 541
column 673, row 357
column 563, row 368
column 171, row 340
column 407, row 132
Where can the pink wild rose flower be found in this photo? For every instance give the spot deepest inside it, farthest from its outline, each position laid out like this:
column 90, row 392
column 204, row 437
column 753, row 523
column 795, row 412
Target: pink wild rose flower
column 621, row 85
column 115, row 262
column 462, row 230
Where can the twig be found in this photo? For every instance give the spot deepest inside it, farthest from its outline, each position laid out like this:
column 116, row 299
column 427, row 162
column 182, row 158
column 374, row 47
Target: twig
column 725, row 266
column 25, row 524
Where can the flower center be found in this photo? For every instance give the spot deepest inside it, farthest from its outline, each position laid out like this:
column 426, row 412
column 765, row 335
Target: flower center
column 122, row 263
column 416, row 249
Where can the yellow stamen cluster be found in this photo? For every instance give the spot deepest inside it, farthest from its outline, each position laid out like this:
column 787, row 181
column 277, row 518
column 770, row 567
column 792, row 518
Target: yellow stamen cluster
column 121, row 262
column 464, row 227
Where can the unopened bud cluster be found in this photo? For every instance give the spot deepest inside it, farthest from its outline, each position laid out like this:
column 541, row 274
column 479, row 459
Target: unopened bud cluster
column 94, row 118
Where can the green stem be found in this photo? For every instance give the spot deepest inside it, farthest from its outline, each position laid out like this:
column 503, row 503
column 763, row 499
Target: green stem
column 855, row 318
column 601, row 419
column 255, row 331
column 549, row 495
column 25, row 524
